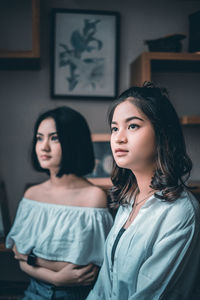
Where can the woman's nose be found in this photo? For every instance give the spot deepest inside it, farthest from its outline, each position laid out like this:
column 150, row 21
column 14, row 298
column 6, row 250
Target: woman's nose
column 121, row 137
column 45, row 145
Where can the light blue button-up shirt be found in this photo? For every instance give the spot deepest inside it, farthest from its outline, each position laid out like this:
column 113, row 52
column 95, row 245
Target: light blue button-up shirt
column 157, row 257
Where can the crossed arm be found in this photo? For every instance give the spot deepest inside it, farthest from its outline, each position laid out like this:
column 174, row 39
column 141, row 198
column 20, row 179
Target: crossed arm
column 58, row 273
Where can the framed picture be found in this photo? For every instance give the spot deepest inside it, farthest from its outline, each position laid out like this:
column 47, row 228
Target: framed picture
column 85, row 58
column 103, row 160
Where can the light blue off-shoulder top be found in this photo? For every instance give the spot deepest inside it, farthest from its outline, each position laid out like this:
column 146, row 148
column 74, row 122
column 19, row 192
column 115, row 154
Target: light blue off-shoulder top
column 60, row 233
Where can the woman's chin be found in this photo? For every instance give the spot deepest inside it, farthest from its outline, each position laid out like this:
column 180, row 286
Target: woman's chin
column 122, row 165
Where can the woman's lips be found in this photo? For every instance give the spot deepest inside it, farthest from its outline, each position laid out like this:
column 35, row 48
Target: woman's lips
column 45, row 157
column 121, row 152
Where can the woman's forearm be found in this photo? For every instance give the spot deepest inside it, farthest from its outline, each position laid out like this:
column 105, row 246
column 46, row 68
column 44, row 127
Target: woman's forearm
column 48, row 264
column 70, row 275
column 51, row 265
column 58, row 273
column 39, row 272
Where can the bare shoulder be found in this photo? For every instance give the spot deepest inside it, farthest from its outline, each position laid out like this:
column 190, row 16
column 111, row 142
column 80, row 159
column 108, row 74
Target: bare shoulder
column 33, row 191
column 97, row 197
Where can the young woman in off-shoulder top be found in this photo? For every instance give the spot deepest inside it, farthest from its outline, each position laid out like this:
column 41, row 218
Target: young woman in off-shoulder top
column 65, row 219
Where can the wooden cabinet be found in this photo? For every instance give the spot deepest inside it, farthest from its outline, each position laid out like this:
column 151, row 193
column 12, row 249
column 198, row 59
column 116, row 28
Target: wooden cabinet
column 11, row 57
column 148, row 62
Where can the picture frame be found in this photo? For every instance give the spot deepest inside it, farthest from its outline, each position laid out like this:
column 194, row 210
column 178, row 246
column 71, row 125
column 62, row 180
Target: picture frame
column 85, row 56
column 103, row 160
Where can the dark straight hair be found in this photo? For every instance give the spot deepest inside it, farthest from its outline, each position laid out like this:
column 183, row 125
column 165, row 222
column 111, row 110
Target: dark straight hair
column 75, row 139
column 173, row 165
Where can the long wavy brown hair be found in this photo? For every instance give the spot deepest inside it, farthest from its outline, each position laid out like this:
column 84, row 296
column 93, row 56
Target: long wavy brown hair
column 173, row 165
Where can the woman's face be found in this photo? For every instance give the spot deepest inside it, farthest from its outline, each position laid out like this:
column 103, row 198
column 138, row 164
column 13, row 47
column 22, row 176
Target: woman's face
column 48, row 147
column 132, row 138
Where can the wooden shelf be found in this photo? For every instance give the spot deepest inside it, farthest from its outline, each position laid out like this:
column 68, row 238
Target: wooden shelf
column 149, row 62
column 104, row 183
column 3, row 248
column 196, row 188
column 101, row 137
column 190, row 120
column 22, row 60
column 196, row 185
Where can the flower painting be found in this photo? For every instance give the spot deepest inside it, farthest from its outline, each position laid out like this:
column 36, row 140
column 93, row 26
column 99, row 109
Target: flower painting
column 85, row 56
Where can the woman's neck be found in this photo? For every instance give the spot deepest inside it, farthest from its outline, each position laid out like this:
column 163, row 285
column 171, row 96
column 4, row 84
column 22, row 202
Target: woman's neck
column 69, row 181
column 144, row 181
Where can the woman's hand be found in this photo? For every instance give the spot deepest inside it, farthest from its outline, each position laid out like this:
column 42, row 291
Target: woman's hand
column 72, row 275
column 18, row 255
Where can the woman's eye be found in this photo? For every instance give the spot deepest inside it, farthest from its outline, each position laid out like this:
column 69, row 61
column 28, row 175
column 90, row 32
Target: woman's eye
column 113, row 129
column 54, row 138
column 133, row 126
column 38, row 138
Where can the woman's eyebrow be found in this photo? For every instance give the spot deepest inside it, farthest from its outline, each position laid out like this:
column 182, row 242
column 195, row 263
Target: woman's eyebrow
column 50, row 134
column 129, row 119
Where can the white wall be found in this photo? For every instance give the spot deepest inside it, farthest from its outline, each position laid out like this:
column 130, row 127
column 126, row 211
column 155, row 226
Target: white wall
column 24, row 94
